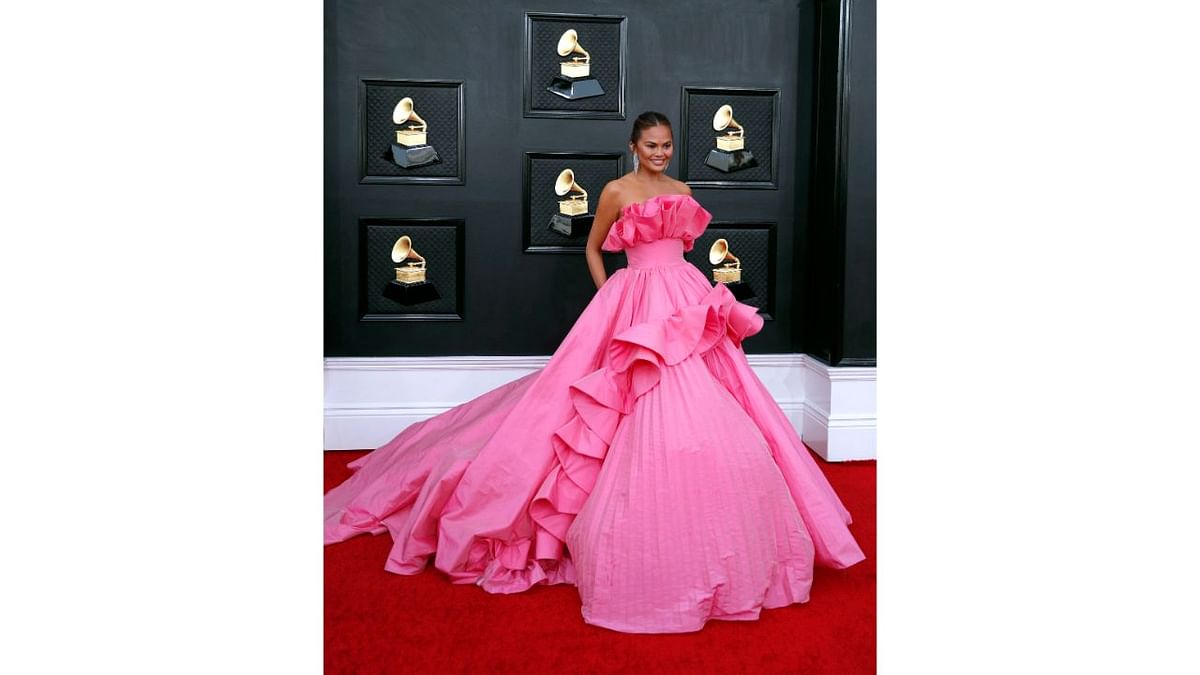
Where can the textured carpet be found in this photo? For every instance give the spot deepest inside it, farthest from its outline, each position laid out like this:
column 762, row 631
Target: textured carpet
column 377, row 622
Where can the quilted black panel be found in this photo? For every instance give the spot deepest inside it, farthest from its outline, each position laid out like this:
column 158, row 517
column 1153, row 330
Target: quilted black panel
column 755, row 112
column 752, row 245
column 601, row 39
column 436, row 104
column 590, row 173
column 435, row 242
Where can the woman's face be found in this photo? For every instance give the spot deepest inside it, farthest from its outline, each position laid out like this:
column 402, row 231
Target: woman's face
column 654, row 148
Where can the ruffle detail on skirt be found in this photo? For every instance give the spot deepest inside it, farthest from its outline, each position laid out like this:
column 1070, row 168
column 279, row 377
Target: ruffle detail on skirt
column 636, row 358
column 507, row 567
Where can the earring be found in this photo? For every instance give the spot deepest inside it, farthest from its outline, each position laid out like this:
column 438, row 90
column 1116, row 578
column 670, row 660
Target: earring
column 635, row 163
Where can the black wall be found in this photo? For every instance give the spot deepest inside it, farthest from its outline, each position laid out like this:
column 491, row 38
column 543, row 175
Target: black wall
column 522, row 303
column 837, row 321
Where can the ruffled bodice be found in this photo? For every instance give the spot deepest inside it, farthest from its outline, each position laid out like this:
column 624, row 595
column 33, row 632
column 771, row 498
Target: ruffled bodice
column 667, row 216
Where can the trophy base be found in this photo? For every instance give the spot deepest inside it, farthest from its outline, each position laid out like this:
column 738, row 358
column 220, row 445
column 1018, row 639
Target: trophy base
column 741, row 290
column 410, row 294
column 417, row 155
column 571, row 226
column 728, row 162
column 572, row 88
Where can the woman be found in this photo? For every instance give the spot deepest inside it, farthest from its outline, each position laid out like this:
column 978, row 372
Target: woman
column 645, row 462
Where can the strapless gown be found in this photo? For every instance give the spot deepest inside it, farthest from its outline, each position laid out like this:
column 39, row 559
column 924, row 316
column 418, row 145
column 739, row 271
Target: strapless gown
column 645, row 462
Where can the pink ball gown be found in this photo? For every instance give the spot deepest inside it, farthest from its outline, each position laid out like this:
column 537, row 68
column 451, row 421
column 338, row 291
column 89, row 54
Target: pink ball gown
column 645, row 462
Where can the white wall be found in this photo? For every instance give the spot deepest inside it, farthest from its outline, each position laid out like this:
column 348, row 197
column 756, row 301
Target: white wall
column 370, row 400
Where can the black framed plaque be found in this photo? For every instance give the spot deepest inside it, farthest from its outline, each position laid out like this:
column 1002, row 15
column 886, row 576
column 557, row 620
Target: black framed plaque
column 730, row 137
column 427, row 147
column 753, row 243
column 437, row 297
column 548, row 224
column 574, row 66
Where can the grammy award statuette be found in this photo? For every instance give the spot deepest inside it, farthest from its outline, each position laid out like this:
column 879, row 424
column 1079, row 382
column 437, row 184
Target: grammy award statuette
column 729, row 273
column 730, row 154
column 411, row 149
column 410, row 286
column 572, row 219
column 574, row 80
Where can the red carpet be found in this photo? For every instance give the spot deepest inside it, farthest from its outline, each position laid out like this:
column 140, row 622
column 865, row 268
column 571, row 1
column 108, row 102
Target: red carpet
column 378, row 622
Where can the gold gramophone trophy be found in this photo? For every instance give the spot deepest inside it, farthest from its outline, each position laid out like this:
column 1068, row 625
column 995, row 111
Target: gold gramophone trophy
column 574, row 80
column 411, row 148
column 410, row 285
column 730, row 154
column 572, row 219
column 729, row 273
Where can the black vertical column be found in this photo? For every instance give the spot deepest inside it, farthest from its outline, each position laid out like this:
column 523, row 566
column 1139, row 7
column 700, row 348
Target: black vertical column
column 837, row 319
column 333, row 289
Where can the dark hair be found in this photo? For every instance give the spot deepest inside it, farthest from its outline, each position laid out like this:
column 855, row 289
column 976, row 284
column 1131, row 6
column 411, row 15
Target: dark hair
column 645, row 121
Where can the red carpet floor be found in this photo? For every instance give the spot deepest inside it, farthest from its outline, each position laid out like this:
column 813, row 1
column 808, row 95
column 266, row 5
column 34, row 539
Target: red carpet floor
column 378, row 622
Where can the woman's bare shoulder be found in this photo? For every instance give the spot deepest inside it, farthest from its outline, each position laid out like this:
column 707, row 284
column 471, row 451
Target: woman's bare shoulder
column 613, row 189
column 613, row 197
column 682, row 187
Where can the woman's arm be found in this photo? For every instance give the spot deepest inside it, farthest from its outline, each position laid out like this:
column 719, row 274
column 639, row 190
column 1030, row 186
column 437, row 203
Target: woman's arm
column 607, row 211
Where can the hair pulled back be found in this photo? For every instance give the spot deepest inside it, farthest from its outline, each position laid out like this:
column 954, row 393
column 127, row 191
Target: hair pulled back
column 645, row 121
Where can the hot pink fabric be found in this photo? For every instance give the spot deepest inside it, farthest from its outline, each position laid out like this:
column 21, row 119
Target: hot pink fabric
column 644, row 463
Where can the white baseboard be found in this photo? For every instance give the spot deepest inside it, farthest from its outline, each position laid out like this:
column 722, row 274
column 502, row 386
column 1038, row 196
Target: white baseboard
column 370, row 400
column 839, row 411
